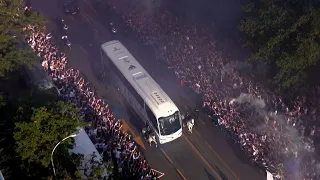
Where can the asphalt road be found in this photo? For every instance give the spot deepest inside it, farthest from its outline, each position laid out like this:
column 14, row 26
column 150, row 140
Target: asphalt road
column 207, row 154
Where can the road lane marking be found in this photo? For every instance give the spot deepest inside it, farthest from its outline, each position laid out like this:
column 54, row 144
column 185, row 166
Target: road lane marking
column 199, row 119
column 165, row 154
column 180, row 173
column 168, row 158
column 91, row 7
column 197, row 132
column 125, row 127
column 90, row 21
column 95, row 25
column 86, row 18
column 202, row 157
column 83, row 49
column 220, row 159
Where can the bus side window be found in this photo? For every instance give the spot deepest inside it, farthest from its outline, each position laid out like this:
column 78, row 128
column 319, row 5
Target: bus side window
column 151, row 116
column 134, row 93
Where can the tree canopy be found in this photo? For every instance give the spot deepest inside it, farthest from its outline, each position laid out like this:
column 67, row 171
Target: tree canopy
column 38, row 126
column 286, row 35
column 37, row 135
column 32, row 121
column 14, row 53
column 13, row 18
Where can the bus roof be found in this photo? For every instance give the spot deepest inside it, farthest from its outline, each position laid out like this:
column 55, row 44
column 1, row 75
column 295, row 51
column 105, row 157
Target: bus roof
column 157, row 100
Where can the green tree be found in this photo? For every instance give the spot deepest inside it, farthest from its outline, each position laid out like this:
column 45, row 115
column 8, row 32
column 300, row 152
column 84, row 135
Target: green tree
column 10, row 162
column 13, row 18
column 28, row 142
column 36, row 134
column 286, row 35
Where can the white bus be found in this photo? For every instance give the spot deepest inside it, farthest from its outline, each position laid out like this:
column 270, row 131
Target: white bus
column 142, row 93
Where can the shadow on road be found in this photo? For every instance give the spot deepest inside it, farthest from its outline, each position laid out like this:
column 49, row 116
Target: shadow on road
column 240, row 154
column 210, row 177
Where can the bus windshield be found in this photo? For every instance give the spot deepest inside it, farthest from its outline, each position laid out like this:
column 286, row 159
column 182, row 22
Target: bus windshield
column 169, row 125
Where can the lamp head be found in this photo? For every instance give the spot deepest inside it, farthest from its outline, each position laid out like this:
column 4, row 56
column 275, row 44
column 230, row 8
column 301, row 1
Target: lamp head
column 73, row 135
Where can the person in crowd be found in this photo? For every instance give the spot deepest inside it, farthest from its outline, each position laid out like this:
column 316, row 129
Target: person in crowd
column 105, row 131
column 268, row 129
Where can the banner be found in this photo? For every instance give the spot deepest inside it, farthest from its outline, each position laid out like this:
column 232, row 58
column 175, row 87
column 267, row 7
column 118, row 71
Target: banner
column 159, row 174
column 269, row 176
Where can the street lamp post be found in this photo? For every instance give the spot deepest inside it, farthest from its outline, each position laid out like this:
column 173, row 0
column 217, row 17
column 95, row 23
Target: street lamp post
column 54, row 170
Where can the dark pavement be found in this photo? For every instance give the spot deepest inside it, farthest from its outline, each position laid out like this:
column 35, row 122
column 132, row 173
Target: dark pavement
column 207, row 154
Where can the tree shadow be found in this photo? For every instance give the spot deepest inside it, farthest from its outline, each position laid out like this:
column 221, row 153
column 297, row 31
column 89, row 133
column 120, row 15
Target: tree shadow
column 212, row 177
column 240, row 154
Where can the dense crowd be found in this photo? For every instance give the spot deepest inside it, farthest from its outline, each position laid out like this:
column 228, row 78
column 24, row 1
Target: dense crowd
column 277, row 135
column 105, row 129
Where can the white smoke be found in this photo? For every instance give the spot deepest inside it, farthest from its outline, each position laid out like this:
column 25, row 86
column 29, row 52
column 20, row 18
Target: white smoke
column 297, row 147
column 245, row 97
column 232, row 65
